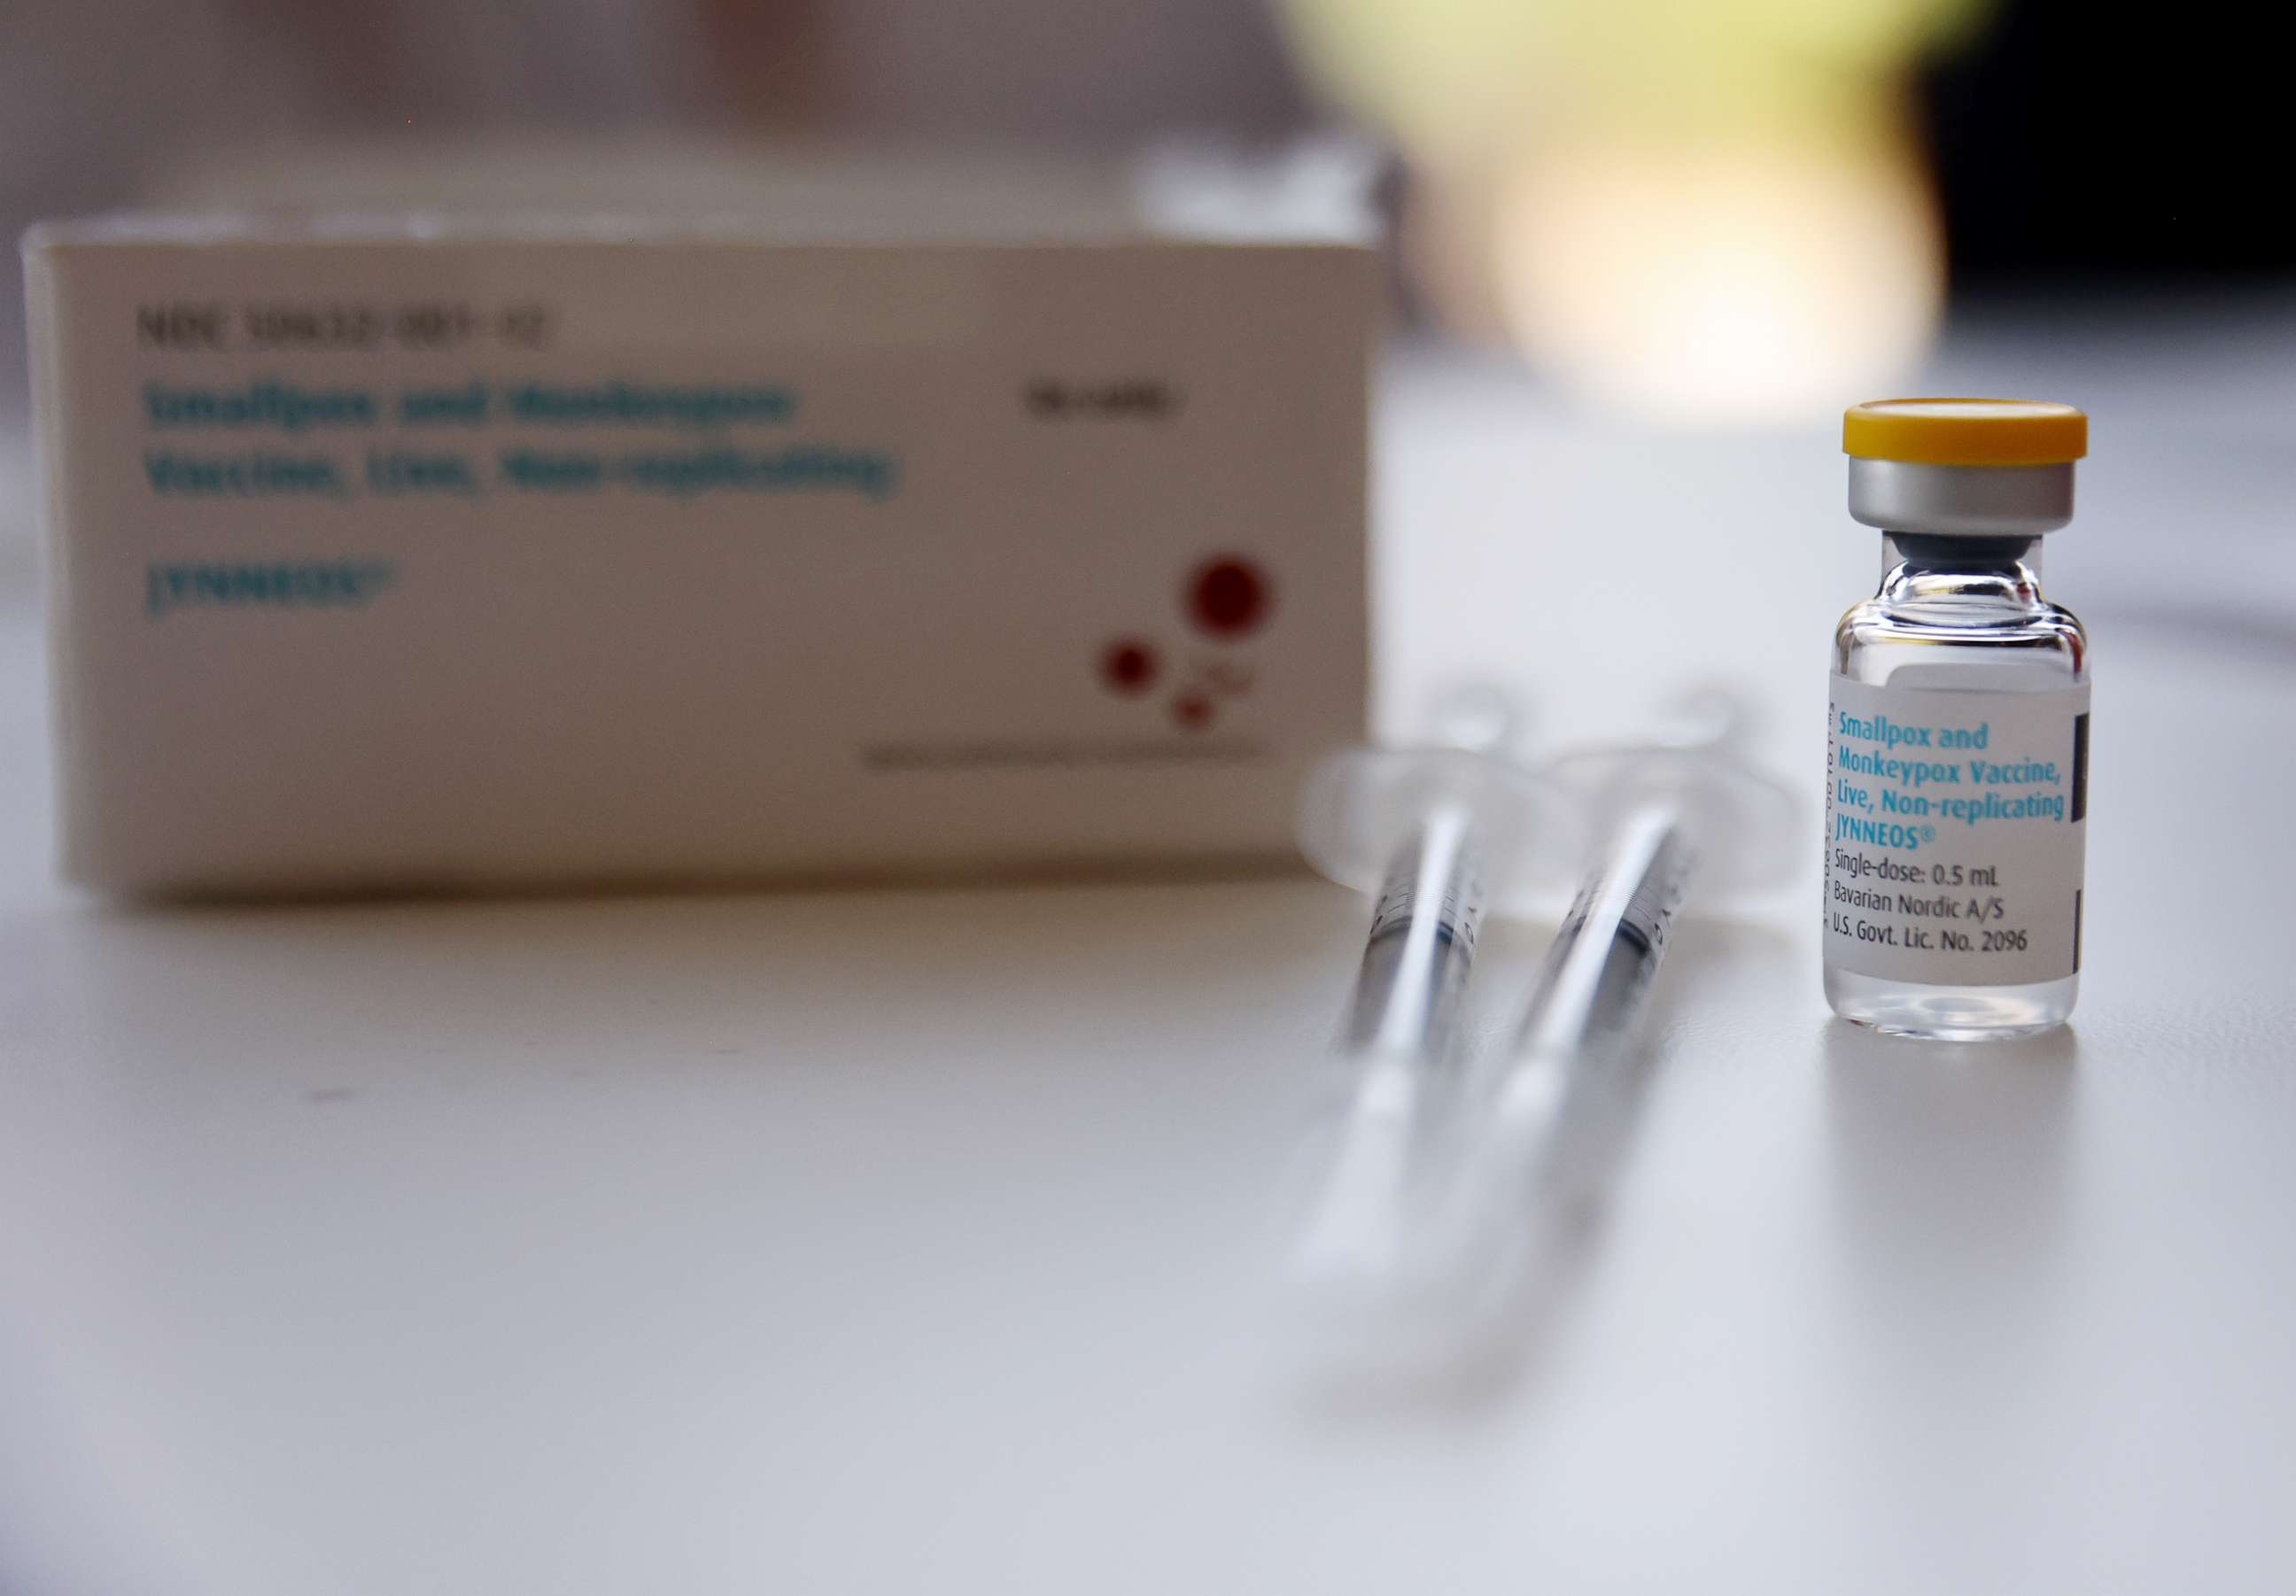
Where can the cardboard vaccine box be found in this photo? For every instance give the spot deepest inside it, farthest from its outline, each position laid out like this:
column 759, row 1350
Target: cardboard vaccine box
column 384, row 558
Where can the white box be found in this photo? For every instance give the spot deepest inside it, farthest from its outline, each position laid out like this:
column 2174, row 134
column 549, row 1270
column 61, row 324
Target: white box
column 385, row 559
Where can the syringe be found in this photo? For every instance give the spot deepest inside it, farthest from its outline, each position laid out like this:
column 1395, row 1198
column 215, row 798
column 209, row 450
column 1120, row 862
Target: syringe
column 1431, row 831
column 1553, row 1126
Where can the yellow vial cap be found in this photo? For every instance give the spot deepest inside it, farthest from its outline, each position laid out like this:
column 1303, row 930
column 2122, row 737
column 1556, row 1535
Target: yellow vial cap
column 1965, row 432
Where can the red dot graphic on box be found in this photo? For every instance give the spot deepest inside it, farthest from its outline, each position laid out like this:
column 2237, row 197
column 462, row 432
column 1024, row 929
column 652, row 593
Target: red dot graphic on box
column 1129, row 665
column 1228, row 596
column 1193, row 710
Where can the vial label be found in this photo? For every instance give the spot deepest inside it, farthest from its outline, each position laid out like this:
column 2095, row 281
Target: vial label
column 1955, row 827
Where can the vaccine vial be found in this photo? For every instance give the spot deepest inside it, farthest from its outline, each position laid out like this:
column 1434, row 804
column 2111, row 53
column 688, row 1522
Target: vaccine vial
column 1957, row 731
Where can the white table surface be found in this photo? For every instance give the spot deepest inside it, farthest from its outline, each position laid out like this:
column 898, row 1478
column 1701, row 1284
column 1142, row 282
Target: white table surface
column 912, row 1240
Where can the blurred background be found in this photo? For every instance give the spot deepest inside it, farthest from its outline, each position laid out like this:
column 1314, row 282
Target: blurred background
column 1700, row 211
column 1643, row 250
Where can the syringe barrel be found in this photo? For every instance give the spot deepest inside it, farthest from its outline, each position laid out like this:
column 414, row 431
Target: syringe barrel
column 1422, row 946
column 1610, row 944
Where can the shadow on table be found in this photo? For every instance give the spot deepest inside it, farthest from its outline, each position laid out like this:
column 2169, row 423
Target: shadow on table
column 1949, row 1244
column 1948, row 1160
column 663, row 981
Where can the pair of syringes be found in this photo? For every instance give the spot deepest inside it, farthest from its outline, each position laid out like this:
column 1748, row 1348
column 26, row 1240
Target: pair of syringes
column 1453, row 824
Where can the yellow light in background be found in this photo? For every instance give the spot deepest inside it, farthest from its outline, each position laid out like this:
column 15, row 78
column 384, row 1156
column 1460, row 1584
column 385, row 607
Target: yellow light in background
column 1706, row 209
column 1706, row 284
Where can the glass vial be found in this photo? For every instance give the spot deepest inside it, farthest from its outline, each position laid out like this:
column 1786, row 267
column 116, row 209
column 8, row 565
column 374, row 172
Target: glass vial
column 1958, row 729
